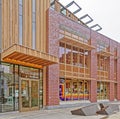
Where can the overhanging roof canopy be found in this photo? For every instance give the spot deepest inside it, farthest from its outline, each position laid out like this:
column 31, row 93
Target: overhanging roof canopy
column 18, row 54
column 79, row 78
column 104, row 53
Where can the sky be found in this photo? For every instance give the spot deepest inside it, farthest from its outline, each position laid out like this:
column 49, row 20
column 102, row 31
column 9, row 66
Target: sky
column 106, row 13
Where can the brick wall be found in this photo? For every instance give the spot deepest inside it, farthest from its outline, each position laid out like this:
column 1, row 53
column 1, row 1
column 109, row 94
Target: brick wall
column 111, row 72
column 52, row 81
column 54, row 21
column 118, row 73
column 93, row 69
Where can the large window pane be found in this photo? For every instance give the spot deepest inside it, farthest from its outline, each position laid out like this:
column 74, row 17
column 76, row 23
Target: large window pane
column 33, row 18
column 20, row 29
column 70, row 89
column 33, row 6
column 102, row 90
column 62, row 53
column 74, row 61
column 68, row 54
column 75, row 56
column 20, row 2
column 16, row 81
column 33, row 24
column 62, row 89
column 33, row 35
column 41, row 89
column 20, row 9
column 7, row 88
column 27, row 72
column 20, row 21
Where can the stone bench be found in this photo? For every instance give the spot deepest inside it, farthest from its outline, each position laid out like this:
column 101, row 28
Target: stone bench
column 94, row 109
column 87, row 110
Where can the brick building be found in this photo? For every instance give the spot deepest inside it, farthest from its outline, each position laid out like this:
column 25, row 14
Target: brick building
column 48, row 56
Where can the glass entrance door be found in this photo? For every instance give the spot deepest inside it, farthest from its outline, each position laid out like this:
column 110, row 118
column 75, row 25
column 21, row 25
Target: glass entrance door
column 29, row 94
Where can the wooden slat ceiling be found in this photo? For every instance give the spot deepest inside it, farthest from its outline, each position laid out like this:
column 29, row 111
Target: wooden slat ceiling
column 28, row 57
column 76, row 42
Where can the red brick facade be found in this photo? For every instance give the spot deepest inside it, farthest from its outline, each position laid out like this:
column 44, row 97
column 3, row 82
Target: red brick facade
column 118, row 74
column 54, row 21
column 52, row 94
column 93, row 93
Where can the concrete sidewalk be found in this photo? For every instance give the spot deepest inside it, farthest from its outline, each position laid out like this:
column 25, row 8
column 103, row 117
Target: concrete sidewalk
column 63, row 113
column 47, row 114
column 114, row 116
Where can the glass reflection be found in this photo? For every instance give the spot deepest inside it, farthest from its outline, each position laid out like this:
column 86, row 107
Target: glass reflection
column 33, row 24
column 102, row 90
column 7, row 88
column 34, row 93
column 31, row 79
column 20, row 21
column 73, row 89
column 25, row 93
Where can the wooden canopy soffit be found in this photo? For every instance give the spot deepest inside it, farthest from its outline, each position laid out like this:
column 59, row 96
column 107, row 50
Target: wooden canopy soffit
column 105, row 53
column 76, row 42
column 21, row 55
column 107, row 81
column 83, row 78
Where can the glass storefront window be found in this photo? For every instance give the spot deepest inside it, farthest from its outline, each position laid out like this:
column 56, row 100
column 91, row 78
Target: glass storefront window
column 73, row 89
column 81, row 90
column 62, row 89
column 7, row 88
column 102, row 90
column 68, row 91
column 115, row 90
column 41, row 89
column 76, row 63
column 27, row 72
column 16, row 79
column 10, row 76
